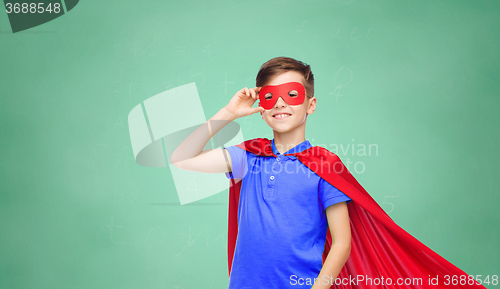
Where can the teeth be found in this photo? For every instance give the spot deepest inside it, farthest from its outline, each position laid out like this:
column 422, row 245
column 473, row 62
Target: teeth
column 281, row 115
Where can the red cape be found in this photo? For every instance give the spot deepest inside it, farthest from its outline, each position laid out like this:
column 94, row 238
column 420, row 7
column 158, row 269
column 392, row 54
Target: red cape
column 379, row 247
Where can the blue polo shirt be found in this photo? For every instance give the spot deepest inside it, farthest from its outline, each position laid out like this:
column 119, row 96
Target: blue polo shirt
column 281, row 220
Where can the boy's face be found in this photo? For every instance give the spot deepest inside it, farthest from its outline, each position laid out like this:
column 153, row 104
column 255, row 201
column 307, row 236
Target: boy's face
column 295, row 115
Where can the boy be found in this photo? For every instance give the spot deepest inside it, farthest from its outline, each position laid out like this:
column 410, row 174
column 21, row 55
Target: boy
column 284, row 208
column 292, row 196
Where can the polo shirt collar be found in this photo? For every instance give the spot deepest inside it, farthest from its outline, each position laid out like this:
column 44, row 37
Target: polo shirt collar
column 296, row 149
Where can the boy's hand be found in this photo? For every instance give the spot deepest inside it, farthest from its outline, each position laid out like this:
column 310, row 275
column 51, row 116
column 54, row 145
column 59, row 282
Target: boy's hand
column 241, row 103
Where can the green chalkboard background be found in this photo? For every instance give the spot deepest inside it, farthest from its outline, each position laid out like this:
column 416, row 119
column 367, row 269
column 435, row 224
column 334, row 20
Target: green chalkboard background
column 418, row 79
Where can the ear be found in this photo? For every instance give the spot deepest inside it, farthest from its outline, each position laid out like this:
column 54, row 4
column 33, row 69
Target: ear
column 261, row 112
column 311, row 105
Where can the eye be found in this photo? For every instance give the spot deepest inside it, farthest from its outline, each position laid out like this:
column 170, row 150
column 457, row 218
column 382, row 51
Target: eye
column 268, row 96
column 293, row 93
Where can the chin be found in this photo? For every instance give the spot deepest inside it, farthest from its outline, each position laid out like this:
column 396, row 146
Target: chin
column 282, row 128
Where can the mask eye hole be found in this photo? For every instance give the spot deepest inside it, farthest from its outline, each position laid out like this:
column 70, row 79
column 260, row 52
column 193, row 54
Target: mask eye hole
column 268, row 95
column 293, row 93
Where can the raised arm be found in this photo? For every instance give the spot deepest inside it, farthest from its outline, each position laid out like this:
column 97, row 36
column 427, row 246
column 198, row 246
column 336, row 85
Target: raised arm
column 189, row 155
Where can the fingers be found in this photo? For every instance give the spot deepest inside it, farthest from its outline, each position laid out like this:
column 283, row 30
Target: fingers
column 254, row 95
column 251, row 92
column 254, row 92
column 257, row 109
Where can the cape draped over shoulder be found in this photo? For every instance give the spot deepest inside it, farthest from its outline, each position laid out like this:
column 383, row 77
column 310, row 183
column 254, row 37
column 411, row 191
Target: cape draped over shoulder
column 379, row 247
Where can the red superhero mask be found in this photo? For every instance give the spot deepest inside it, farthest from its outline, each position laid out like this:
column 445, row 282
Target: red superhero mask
column 293, row 93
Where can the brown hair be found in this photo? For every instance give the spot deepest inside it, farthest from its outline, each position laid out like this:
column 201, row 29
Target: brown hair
column 282, row 64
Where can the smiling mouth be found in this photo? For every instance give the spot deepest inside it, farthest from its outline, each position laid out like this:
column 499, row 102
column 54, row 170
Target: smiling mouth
column 281, row 115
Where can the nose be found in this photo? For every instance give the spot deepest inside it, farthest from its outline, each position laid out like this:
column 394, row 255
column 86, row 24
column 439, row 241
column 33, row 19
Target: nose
column 280, row 103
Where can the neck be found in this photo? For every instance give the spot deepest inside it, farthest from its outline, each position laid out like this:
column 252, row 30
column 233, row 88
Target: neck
column 287, row 140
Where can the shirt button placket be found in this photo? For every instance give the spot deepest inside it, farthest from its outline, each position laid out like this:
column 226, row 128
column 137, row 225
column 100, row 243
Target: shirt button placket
column 270, row 188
